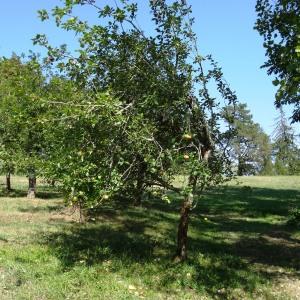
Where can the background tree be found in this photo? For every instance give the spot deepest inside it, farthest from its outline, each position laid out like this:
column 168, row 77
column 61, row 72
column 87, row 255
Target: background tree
column 285, row 149
column 251, row 148
column 279, row 23
column 9, row 130
column 266, row 166
column 21, row 91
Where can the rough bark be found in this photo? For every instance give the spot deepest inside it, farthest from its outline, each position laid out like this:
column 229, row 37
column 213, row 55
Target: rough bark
column 8, row 182
column 205, row 138
column 31, row 187
column 181, row 253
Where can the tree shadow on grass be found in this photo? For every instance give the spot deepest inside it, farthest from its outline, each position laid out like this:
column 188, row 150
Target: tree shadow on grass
column 253, row 202
column 38, row 209
column 133, row 253
column 265, row 249
column 270, row 251
column 241, row 200
column 142, row 240
column 47, row 195
column 43, row 194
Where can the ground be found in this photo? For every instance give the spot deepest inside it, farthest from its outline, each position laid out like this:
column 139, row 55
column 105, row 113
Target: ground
column 239, row 246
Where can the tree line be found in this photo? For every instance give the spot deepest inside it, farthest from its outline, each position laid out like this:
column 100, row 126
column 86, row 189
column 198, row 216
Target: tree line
column 256, row 153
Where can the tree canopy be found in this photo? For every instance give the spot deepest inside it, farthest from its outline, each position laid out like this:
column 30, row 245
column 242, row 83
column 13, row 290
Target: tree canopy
column 279, row 24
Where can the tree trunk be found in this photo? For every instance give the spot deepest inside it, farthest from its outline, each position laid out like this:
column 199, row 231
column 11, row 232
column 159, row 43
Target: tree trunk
column 181, row 253
column 241, row 166
column 139, row 192
column 140, row 185
column 8, row 183
column 31, row 186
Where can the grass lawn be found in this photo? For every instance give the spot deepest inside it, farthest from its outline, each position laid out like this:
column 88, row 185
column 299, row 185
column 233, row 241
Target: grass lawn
column 239, row 246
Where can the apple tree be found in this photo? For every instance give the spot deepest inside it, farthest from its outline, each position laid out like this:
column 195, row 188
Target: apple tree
column 133, row 109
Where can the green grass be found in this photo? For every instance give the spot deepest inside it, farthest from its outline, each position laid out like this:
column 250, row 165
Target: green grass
column 239, row 246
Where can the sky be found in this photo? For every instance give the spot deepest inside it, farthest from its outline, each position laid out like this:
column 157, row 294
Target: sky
column 224, row 29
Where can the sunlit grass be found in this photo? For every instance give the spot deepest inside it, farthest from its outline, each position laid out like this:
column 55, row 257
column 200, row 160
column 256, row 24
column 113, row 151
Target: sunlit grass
column 239, row 246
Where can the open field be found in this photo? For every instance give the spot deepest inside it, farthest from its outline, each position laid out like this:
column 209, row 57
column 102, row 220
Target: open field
column 239, row 246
